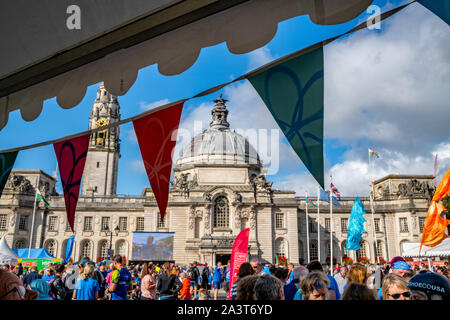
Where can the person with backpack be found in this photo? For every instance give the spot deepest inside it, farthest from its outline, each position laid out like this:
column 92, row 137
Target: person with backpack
column 58, row 287
column 205, row 277
column 193, row 275
column 121, row 281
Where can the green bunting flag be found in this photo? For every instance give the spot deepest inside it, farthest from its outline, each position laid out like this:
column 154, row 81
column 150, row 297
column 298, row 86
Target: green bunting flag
column 441, row 8
column 293, row 92
column 6, row 164
column 40, row 197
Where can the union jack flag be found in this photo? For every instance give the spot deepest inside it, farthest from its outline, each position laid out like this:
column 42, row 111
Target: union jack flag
column 336, row 191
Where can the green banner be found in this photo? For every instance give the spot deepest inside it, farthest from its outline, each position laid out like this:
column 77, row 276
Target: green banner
column 6, row 164
column 41, row 264
column 293, row 92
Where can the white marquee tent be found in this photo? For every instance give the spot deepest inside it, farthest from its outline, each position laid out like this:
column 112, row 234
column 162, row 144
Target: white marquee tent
column 6, row 254
column 411, row 250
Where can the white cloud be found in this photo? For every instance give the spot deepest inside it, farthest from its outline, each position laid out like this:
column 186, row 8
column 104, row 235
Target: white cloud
column 137, row 166
column 259, row 57
column 147, row 106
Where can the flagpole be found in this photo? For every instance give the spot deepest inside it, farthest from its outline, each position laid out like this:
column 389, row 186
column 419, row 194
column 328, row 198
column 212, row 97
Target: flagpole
column 318, row 224
column 331, row 228
column 372, row 209
column 34, row 215
column 307, row 226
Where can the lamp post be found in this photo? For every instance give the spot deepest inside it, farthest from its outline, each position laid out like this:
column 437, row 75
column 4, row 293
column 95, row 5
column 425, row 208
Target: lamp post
column 110, row 234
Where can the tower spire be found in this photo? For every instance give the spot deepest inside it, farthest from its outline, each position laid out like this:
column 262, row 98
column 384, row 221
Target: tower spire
column 219, row 115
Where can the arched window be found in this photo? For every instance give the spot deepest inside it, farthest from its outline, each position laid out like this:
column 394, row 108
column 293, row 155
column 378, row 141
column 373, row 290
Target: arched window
column 280, row 248
column 344, row 251
column 379, row 249
column 86, row 249
column 50, row 246
column 221, row 213
column 122, row 248
column 103, row 249
column 19, row 244
column 362, row 252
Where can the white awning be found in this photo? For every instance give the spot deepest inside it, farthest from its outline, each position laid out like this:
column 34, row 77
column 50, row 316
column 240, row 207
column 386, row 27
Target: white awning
column 6, row 254
column 411, row 250
column 42, row 58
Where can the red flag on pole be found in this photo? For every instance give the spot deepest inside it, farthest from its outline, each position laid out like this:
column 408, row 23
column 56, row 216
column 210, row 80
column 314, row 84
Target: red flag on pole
column 238, row 256
column 156, row 135
column 71, row 155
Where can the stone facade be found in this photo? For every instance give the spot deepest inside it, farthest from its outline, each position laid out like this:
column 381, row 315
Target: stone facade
column 219, row 188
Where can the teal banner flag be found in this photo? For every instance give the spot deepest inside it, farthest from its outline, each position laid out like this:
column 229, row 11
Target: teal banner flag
column 293, row 92
column 441, row 8
column 355, row 226
column 6, row 164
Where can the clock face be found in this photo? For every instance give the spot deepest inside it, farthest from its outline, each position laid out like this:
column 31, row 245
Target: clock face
column 101, row 123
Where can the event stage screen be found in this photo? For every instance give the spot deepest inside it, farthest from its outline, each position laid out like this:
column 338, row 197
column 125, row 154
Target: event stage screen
column 152, row 246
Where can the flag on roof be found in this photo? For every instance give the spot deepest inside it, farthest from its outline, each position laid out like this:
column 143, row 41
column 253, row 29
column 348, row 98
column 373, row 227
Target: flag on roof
column 40, row 197
column 335, row 191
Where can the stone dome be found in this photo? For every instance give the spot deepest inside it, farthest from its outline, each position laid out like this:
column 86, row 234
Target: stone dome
column 219, row 144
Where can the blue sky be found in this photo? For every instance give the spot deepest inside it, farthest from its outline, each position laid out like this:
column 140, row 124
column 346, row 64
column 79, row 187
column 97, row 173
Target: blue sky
column 357, row 115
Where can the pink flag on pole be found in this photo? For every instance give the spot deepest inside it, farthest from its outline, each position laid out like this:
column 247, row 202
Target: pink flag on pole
column 238, row 256
column 71, row 155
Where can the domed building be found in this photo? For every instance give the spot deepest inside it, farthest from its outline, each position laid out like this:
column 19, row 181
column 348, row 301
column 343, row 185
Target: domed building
column 219, row 188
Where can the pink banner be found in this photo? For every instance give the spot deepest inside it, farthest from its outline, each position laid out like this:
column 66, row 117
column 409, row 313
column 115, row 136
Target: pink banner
column 71, row 155
column 238, row 256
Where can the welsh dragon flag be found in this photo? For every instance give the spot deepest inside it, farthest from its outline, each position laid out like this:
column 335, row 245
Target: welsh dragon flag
column 40, row 197
column 373, row 153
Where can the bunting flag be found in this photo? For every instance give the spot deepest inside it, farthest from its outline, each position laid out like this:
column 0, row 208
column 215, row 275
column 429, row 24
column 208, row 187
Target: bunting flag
column 325, row 196
column 69, row 248
column 441, row 8
column 6, row 164
column 355, row 226
column 293, row 91
column 436, row 221
column 71, row 155
column 156, row 135
column 238, row 256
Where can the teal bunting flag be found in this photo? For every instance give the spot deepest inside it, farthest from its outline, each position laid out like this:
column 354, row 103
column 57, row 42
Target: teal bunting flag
column 6, row 164
column 441, row 8
column 293, row 91
column 355, row 226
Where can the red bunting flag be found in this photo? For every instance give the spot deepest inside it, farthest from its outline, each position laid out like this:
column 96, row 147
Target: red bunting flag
column 156, row 135
column 71, row 155
column 238, row 256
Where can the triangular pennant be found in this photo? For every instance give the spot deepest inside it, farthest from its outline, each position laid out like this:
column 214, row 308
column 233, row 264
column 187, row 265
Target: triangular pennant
column 71, row 155
column 355, row 226
column 6, row 164
column 156, row 135
column 293, row 92
column 441, row 8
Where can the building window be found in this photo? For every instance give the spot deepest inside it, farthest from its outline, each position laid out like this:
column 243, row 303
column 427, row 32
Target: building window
column 344, row 225
column 19, row 244
column 105, row 223
column 23, row 223
column 52, row 222
column 379, row 248
column 122, row 248
column 221, row 212
column 98, row 164
column 404, row 225
column 362, row 252
column 344, row 250
column 123, row 223
column 51, row 247
column 327, row 225
column 161, row 223
column 313, row 253
column 3, row 221
column 377, row 225
column 421, row 223
column 279, row 220
column 95, row 189
column 68, row 229
column 140, row 224
column 312, row 226
column 86, row 249
column 87, row 224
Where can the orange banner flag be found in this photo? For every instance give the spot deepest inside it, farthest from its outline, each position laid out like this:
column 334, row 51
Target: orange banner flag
column 435, row 223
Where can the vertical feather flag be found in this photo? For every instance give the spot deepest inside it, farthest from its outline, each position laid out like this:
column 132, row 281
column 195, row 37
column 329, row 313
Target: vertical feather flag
column 293, row 92
column 156, row 135
column 436, row 222
column 71, row 155
column 6, row 164
column 441, row 8
column 355, row 226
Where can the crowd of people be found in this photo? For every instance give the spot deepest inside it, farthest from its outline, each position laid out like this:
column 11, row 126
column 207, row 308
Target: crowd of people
column 396, row 280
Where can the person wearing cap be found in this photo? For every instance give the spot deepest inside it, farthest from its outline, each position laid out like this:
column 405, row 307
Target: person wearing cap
column 429, row 286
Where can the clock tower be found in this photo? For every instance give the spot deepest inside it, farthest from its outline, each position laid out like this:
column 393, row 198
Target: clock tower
column 102, row 162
